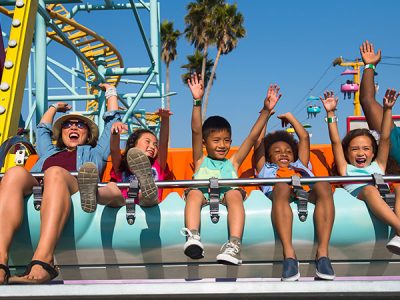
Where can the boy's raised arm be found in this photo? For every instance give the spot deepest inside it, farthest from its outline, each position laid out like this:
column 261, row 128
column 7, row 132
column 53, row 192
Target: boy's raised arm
column 259, row 148
column 116, row 129
column 330, row 102
column 384, row 142
column 269, row 103
column 304, row 137
column 197, row 89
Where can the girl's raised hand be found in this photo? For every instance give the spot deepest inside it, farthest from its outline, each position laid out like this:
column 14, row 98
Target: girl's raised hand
column 286, row 119
column 329, row 101
column 118, row 127
column 163, row 113
column 273, row 97
column 390, row 98
column 196, row 86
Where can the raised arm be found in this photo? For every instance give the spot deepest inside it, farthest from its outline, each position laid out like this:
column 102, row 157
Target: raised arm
column 330, row 103
column 116, row 129
column 302, row 134
column 372, row 109
column 197, row 89
column 384, row 142
column 270, row 101
column 48, row 116
column 111, row 96
column 259, row 148
column 164, row 137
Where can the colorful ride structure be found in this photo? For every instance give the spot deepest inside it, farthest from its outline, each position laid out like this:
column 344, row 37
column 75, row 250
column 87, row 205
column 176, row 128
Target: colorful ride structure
column 351, row 86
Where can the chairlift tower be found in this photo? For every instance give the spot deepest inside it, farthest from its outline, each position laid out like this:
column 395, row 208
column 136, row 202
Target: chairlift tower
column 355, row 65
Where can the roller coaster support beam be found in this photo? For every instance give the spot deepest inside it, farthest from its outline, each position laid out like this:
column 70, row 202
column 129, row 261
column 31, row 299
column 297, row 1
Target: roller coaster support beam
column 40, row 64
column 16, row 63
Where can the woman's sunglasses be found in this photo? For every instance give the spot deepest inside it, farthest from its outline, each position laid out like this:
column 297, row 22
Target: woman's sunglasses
column 78, row 124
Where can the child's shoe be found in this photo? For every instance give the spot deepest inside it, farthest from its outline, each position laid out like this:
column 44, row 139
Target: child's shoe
column 193, row 246
column 87, row 181
column 230, row 253
column 140, row 166
column 323, row 268
column 394, row 245
column 290, row 270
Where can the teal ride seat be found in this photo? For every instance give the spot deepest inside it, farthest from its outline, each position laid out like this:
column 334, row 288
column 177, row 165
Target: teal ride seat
column 104, row 237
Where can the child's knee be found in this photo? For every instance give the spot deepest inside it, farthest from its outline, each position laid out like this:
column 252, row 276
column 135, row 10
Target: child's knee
column 323, row 191
column 194, row 196
column 233, row 197
column 281, row 191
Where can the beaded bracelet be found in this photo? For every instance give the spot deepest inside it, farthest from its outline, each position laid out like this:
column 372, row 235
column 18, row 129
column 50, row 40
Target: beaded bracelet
column 111, row 92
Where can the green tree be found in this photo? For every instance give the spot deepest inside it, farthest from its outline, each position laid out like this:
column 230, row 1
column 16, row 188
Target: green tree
column 194, row 64
column 199, row 31
column 228, row 29
column 169, row 38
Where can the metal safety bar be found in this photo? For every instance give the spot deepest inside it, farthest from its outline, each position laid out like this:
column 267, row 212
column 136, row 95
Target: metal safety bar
column 251, row 181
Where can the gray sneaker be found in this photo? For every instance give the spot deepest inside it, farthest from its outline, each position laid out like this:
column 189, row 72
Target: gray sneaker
column 394, row 245
column 87, row 181
column 140, row 166
column 193, row 246
column 229, row 254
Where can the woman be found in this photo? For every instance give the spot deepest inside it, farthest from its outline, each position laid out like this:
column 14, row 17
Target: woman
column 77, row 142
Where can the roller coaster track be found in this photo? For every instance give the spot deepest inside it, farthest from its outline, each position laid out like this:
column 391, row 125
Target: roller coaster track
column 87, row 41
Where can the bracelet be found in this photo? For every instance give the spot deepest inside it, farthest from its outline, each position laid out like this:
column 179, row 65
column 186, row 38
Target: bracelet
column 196, row 102
column 53, row 105
column 333, row 119
column 111, row 92
column 369, row 66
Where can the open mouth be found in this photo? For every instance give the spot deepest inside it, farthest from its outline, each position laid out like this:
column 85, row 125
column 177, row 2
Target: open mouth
column 73, row 136
column 360, row 161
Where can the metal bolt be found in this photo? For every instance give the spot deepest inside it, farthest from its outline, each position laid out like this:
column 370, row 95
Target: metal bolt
column 19, row 3
column 8, row 64
column 2, row 110
column 4, row 86
column 12, row 43
column 16, row 22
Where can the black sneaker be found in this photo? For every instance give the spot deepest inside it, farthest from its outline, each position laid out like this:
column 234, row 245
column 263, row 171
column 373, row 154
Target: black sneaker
column 290, row 270
column 323, row 269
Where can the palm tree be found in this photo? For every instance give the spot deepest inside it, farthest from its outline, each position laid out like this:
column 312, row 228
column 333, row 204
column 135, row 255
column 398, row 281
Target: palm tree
column 199, row 31
column 169, row 38
column 228, row 27
column 194, row 64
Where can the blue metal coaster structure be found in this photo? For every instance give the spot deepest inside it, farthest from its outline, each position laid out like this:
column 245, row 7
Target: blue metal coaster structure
column 37, row 24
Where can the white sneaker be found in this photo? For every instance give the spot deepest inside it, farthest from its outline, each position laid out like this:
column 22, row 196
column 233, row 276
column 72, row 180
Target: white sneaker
column 394, row 245
column 193, row 246
column 229, row 254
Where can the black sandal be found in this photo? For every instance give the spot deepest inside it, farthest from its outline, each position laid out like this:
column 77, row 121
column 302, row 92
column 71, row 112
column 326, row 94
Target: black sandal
column 6, row 269
column 20, row 279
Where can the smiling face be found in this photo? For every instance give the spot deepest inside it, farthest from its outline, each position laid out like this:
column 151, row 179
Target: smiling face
column 360, row 151
column 74, row 132
column 148, row 143
column 218, row 144
column 281, row 153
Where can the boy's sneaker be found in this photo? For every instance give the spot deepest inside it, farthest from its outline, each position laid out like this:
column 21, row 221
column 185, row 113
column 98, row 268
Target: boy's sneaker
column 230, row 254
column 87, row 181
column 323, row 269
column 193, row 246
column 290, row 270
column 394, row 245
column 140, row 166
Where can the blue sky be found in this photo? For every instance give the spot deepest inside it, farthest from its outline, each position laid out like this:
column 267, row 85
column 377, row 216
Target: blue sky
column 291, row 43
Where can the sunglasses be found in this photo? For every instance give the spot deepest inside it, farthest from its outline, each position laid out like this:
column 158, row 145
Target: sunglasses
column 78, row 124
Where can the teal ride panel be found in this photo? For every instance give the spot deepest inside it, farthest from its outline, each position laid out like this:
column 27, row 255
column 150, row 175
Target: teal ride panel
column 105, row 237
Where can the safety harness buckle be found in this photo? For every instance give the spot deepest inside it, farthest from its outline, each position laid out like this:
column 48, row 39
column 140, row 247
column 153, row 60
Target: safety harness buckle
column 302, row 198
column 133, row 195
column 37, row 191
column 384, row 190
column 214, row 191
